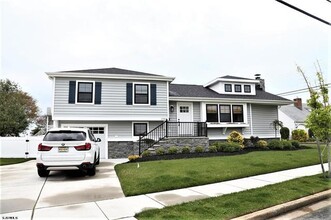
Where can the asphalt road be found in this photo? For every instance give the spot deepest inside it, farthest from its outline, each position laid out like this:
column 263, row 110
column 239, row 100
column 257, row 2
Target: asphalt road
column 320, row 214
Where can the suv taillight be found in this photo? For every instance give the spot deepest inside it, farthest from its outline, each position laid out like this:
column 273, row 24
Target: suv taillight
column 44, row 148
column 86, row 146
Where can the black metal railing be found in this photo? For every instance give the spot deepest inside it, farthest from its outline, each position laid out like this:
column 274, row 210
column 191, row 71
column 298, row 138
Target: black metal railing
column 172, row 129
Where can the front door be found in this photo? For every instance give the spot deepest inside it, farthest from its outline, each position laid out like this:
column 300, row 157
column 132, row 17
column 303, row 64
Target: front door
column 185, row 117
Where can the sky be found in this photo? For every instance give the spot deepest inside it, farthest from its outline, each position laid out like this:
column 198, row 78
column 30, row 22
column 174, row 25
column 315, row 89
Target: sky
column 194, row 41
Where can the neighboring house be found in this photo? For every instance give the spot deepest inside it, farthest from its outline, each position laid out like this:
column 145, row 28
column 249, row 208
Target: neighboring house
column 120, row 105
column 294, row 116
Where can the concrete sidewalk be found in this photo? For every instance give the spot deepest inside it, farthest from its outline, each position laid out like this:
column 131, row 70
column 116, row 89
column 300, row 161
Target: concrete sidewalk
column 126, row 208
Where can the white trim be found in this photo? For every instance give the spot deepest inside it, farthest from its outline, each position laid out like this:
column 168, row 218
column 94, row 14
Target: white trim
column 230, row 100
column 94, row 125
column 149, row 93
column 113, row 118
column 109, row 76
column 76, row 92
column 168, row 104
column 53, row 96
column 138, row 122
column 251, row 116
column 226, row 125
column 190, row 104
column 219, row 79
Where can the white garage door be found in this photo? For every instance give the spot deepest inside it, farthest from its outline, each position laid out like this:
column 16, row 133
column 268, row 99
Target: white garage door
column 98, row 132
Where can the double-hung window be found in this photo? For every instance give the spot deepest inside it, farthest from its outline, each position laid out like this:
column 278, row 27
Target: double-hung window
column 139, row 129
column 141, row 94
column 237, row 113
column 225, row 113
column 212, row 113
column 85, row 92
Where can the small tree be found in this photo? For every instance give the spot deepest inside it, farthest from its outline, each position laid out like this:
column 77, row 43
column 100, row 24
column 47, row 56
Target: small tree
column 276, row 124
column 319, row 119
column 17, row 109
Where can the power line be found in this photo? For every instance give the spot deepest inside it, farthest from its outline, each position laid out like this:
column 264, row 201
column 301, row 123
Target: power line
column 304, row 12
column 298, row 91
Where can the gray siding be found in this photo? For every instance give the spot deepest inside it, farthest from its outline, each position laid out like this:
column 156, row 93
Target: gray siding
column 113, row 102
column 173, row 115
column 263, row 115
column 246, row 131
column 196, row 112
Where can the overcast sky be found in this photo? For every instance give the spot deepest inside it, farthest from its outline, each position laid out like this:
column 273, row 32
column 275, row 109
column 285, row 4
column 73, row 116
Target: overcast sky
column 194, row 41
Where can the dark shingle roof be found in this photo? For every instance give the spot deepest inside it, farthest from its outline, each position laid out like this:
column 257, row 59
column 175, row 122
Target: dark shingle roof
column 111, row 71
column 182, row 90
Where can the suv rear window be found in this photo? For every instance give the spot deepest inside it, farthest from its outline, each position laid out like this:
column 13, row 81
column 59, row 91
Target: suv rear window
column 65, row 136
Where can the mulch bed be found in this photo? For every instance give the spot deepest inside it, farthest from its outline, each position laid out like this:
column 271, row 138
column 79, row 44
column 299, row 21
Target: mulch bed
column 204, row 154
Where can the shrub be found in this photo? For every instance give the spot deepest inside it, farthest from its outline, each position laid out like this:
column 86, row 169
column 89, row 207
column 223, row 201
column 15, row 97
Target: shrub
column 133, row 157
column 262, row 144
column 235, row 137
column 160, row 151
column 212, row 149
column 254, row 140
column 219, row 145
column 199, row 149
column 284, row 133
column 287, row 145
column 146, row 153
column 186, row 150
column 295, row 144
column 299, row 135
column 275, row 145
column 232, row 147
column 173, row 150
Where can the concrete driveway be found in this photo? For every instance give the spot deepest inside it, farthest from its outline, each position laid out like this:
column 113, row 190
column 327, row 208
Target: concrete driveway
column 21, row 186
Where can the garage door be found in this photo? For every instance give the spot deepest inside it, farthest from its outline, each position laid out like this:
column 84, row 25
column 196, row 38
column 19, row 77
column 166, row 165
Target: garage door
column 98, row 132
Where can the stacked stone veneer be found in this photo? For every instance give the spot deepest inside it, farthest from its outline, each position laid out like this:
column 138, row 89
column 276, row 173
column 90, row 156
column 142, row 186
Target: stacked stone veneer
column 181, row 142
column 122, row 149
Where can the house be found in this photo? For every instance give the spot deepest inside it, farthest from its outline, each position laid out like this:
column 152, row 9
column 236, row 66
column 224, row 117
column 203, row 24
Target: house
column 121, row 105
column 294, row 116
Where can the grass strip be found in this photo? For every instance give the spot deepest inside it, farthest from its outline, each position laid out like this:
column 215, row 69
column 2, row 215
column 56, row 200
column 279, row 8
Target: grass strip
column 157, row 176
column 9, row 161
column 241, row 203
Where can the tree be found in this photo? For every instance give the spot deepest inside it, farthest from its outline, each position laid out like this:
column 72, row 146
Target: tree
column 41, row 125
column 17, row 109
column 276, row 124
column 319, row 119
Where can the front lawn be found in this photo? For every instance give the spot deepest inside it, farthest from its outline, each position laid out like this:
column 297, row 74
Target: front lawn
column 241, row 203
column 8, row 161
column 156, row 176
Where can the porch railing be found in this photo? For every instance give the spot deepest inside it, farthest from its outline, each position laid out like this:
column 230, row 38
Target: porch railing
column 172, row 129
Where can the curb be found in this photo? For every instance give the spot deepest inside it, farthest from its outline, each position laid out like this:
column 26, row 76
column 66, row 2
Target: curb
column 286, row 207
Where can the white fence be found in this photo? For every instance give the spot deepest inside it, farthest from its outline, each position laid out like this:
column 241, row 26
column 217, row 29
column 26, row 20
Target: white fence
column 19, row 147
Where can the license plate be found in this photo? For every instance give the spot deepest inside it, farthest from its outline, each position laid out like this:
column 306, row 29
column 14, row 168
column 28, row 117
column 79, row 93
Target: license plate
column 63, row 149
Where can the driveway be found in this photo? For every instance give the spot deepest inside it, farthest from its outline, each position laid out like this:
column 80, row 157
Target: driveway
column 21, row 186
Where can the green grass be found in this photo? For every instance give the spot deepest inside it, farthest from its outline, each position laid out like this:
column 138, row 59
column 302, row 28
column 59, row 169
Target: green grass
column 156, row 176
column 241, row 203
column 8, row 161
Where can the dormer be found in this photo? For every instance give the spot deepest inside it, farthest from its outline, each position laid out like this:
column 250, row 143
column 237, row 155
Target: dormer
column 232, row 85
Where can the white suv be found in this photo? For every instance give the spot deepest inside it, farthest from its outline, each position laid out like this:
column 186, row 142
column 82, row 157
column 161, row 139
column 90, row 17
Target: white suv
column 68, row 149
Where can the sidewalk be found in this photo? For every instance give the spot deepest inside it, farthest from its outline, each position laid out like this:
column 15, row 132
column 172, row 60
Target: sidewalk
column 126, row 208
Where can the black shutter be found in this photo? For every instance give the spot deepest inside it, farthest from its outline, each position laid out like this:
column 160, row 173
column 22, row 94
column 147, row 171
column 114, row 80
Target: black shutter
column 97, row 98
column 72, row 92
column 129, row 93
column 153, row 94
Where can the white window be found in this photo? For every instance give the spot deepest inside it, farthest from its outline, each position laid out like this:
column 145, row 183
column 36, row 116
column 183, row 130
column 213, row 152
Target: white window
column 140, row 129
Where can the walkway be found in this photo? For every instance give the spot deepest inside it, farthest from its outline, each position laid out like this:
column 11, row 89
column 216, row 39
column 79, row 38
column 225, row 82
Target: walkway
column 127, row 207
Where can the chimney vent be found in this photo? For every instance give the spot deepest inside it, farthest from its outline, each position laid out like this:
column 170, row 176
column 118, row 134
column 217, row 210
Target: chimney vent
column 298, row 103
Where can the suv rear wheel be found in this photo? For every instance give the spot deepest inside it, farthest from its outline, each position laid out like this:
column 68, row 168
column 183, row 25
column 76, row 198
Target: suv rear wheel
column 43, row 173
column 91, row 171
